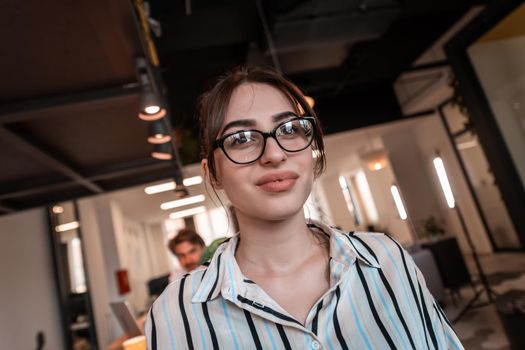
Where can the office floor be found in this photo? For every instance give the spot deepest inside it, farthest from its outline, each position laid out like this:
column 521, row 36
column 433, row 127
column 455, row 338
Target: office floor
column 481, row 328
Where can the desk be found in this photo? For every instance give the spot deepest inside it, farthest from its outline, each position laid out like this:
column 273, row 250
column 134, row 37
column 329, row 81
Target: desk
column 450, row 262
column 117, row 344
column 513, row 320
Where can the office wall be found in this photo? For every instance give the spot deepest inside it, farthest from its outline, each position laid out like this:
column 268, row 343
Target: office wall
column 113, row 241
column 413, row 175
column 29, row 301
column 431, row 137
column 137, row 262
column 343, row 158
column 155, row 238
column 101, row 280
column 500, row 69
column 411, row 146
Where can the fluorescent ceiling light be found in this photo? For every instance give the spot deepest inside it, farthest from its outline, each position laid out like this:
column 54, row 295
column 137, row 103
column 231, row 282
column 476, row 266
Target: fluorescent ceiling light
column 187, row 212
column 68, row 226
column 466, row 145
column 152, row 109
column 443, row 180
column 170, row 186
column 57, row 209
column 162, row 151
column 190, row 181
column 167, row 186
column 376, row 160
column 151, row 117
column 399, row 203
column 182, row 202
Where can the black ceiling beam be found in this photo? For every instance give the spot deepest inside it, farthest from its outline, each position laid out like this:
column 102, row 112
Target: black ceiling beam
column 47, row 160
column 5, row 209
column 418, row 7
column 423, row 113
column 367, row 61
column 209, row 27
column 108, row 173
column 36, row 190
column 71, row 193
column 341, row 28
column 369, row 106
column 129, row 168
column 144, row 178
column 429, row 65
column 26, row 110
column 75, row 192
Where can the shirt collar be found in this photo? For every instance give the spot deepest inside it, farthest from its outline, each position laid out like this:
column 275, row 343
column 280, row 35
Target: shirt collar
column 346, row 247
column 224, row 275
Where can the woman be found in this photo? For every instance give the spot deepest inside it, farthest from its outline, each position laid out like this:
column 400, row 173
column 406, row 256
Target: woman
column 283, row 282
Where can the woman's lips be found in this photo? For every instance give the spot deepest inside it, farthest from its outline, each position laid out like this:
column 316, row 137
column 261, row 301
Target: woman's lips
column 277, row 181
column 278, row 186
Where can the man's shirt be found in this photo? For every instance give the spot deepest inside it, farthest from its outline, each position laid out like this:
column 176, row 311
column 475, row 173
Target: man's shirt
column 377, row 300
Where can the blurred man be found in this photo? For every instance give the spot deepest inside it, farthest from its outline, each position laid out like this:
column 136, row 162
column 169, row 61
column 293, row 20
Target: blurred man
column 187, row 246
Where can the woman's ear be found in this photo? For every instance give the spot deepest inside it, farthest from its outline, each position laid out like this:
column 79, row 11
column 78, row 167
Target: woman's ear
column 214, row 182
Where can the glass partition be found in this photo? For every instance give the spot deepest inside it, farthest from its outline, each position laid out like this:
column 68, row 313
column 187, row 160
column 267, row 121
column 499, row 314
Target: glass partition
column 70, row 273
column 485, row 188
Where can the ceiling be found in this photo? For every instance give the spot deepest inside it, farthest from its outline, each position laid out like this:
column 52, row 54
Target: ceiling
column 69, row 92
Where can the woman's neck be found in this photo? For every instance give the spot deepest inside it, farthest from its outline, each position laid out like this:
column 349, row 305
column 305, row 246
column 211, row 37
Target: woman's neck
column 275, row 246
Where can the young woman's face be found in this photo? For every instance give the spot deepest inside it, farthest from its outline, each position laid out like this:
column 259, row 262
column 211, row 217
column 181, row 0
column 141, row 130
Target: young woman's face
column 277, row 185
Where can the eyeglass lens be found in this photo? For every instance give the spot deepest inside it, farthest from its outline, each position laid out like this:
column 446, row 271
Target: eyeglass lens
column 248, row 145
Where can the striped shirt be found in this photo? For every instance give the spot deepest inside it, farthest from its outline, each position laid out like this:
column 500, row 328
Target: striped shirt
column 377, row 300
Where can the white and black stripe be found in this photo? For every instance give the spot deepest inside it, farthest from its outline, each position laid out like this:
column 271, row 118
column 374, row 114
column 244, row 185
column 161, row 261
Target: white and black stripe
column 378, row 299
column 253, row 331
column 182, row 308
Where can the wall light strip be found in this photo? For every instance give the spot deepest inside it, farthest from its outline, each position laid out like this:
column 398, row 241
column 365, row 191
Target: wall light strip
column 68, row 226
column 443, row 180
column 350, row 202
column 187, row 212
column 170, row 186
column 182, row 202
column 366, row 195
column 399, row 203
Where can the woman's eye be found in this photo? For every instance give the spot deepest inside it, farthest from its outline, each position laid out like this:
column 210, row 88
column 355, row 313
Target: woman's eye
column 241, row 138
column 288, row 129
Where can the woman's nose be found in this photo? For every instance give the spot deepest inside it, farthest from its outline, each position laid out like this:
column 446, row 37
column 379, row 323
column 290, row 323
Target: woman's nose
column 273, row 153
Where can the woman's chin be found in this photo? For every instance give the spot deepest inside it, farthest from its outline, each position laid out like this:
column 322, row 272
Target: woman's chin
column 276, row 212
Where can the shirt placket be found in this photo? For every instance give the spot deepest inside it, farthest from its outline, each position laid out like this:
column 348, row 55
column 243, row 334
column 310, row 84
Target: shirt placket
column 338, row 272
column 250, row 297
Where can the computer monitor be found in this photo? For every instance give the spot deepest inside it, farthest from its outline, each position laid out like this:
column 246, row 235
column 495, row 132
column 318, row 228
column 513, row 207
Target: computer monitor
column 126, row 319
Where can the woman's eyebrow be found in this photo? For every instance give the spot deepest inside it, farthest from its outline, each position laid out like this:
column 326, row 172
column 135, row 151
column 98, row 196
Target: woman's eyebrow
column 251, row 122
column 238, row 122
column 283, row 115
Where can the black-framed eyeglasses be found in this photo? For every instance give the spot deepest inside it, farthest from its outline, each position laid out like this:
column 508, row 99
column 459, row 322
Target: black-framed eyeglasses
column 247, row 146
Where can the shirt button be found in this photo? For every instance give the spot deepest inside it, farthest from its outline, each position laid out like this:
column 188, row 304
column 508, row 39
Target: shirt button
column 315, row 345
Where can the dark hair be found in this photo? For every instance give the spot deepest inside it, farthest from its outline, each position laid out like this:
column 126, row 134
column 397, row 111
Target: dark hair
column 185, row 235
column 212, row 107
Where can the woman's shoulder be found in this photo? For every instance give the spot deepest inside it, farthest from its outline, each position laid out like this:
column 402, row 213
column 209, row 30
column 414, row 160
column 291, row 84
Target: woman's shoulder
column 381, row 246
column 180, row 290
